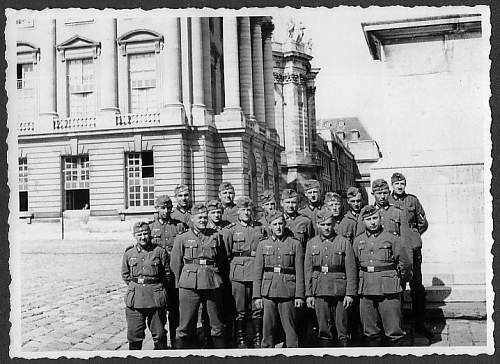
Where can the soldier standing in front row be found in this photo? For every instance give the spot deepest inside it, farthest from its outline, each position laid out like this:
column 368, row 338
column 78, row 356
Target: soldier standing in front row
column 382, row 262
column 199, row 262
column 164, row 229
column 146, row 270
column 330, row 280
column 242, row 239
column 278, row 285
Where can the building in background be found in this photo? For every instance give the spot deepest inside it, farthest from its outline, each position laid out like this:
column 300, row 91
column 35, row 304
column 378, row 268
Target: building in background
column 114, row 112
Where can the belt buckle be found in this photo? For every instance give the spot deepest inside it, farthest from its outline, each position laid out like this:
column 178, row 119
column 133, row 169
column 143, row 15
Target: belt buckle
column 324, row 269
column 203, row 262
column 140, row 280
column 277, row 269
column 370, row 269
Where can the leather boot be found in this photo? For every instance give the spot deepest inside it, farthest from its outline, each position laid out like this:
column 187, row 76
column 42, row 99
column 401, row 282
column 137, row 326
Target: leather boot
column 160, row 344
column 240, row 334
column 325, row 343
column 219, row 342
column 404, row 341
column 182, row 343
column 257, row 328
column 135, row 345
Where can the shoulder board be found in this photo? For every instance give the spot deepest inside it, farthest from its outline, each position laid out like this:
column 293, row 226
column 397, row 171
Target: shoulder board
column 230, row 225
column 128, row 248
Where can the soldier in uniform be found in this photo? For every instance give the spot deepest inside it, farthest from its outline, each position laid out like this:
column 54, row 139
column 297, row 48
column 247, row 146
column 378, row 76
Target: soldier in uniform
column 417, row 226
column 226, row 196
column 241, row 240
column 312, row 190
column 278, row 286
column 199, row 262
column 146, row 270
column 333, row 202
column 268, row 202
column 183, row 198
column 215, row 221
column 382, row 262
column 351, row 224
column 164, row 229
column 300, row 225
column 331, row 280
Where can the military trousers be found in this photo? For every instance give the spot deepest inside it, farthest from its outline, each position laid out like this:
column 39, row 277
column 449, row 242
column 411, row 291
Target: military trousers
column 332, row 317
column 242, row 294
column 172, row 309
column 278, row 310
column 417, row 288
column 138, row 318
column 381, row 315
column 189, row 305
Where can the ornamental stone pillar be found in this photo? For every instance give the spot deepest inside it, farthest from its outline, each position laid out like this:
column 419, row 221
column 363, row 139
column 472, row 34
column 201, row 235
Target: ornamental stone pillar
column 245, row 67
column 258, row 71
column 199, row 106
column 207, row 64
column 267, row 29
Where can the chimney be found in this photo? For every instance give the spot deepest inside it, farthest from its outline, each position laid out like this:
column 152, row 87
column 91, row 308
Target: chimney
column 354, row 135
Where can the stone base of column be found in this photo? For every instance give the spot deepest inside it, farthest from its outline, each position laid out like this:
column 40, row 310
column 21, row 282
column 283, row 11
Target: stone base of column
column 45, row 123
column 201, row 116
column 230, row 118
column 173, row 115
column 106, row 119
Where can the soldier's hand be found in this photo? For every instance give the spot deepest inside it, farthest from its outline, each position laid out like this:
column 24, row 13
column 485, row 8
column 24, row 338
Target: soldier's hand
column 310, row 302
column 258, row 303
column 299, row 302
column 348, row 302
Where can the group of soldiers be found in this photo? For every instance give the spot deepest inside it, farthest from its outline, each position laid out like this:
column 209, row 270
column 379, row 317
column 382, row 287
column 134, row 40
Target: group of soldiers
column 309, row 276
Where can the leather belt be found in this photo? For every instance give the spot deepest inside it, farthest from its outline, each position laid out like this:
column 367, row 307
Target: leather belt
column 244, row 254
column 330, row 269
column 280, row 270
column 145, row 280
column 372, row 269
column 199, row 261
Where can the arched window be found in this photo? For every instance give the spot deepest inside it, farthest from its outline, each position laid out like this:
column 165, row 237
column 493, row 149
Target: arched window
column 252, row 177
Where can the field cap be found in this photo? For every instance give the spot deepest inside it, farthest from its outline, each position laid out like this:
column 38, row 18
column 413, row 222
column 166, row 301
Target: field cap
column 331, row 196
column 288, row 193
column 225, row 186
column 310, row 184
column 138, row 226
column 273, row 215
column 379, row 185
column 368, row 210
column 214, row 205
column 323, row 215
column 267, row 196
column 198, row 208
column 352, row 191
column 181, row 188
column 163, row 200
column 396, row 177
column 244, row 202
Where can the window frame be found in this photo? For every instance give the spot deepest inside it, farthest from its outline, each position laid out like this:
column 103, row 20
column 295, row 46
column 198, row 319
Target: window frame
column 142, row 185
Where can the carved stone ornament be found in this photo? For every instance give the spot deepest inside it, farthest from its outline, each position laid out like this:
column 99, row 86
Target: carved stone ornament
column 140, row 40
column 79, row 44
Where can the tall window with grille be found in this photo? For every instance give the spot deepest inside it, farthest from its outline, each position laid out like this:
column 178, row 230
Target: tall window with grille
column 142, row 83
column 23, row 184
column 26, row 92
column 81, row 88
column 140, row 179
column 76, row 173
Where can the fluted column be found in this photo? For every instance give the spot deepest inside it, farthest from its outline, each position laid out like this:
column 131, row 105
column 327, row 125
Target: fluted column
column 186, row 57
column 199, row 106
column 245, row 66
column 267, row 29
column 48, row 75
column 207, row 64
column 173, row 111
column 258, row 71
column 231, row 70
column 108, row 72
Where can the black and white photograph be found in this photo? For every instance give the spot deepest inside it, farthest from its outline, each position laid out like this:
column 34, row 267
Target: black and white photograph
column 249, row 182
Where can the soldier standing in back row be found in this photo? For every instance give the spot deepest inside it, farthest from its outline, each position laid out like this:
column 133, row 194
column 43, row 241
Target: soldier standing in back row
column 331, row 280
column 300, row 225
column 146, row 270
column 268, row 203
column 351, row 224
column 183, row 198
column 199, row 262
column 417, row 226
column 382, row 262
column 278, row 286
column 164, row 229
column 333, row 202
column 226, row 197
column 312, row 191
column 242, row 239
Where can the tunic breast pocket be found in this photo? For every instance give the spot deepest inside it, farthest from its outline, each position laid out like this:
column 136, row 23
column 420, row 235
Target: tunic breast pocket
column 289, row 259
column 155, row 267
column 134, row 269
column 268, row 253
column 362, row 253
column 316, row 255
column 190, row 249
column 338, row 257
column 239, row 245
column 210, row 250
column 385, row 252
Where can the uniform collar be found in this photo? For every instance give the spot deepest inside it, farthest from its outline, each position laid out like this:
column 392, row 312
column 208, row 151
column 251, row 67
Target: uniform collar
column 368, row 233
column 230, row 206
column 181, row 209
column 312, row 206
column 385, row 207
column 250, row 224
column 353, row 214
column 287, row 216
column 275, row 238
column 331, row 238
column 399, row 197
column 147, row 248
column 197, row 232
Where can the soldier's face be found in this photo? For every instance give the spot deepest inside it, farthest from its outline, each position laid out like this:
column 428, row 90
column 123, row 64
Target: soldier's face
column 355, row 203
column 143, row 236
column 326, row 228
column 226, row 196
column 399, row 187
column 269, row 206
column 381, row 197
column 183, row 198
column 313, row 195
column 164, row 211
column 215, row 216
column 372, row 222
column 290, row 205
column 245, row 214
column 335, row 207
column 278, row 227
column 200, row 220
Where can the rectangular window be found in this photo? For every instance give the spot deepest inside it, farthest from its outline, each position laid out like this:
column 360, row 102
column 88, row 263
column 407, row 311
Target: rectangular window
column 142, row 83
column 81, row 95
column 26, row 107
column 140, row 179
column 23, row 184
column 76, row 182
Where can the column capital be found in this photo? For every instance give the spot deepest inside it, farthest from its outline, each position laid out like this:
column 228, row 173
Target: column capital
column 267, row 27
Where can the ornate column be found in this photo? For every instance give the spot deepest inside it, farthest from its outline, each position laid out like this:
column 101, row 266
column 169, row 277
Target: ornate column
column 245, row 66
column 48, row 75
column 199, row 106
column 173, row 111
column 258, row 71
column 186, row 57
column 207, row 64
column 267, row 30
column 108, row 73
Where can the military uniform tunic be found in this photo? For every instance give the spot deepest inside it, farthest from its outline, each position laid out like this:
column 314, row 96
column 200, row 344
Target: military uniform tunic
column 310, row 212
column 146, row 270
column 230, row 213
column 301, row 227
column 279, row 280
column 382, row 261
column 330, row 274
column 351, row 226
column 199, row 262
column 181, row 214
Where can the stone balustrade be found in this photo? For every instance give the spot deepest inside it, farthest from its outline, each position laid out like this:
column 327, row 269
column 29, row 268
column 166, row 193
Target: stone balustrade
column 137, row 120
column 75, row 123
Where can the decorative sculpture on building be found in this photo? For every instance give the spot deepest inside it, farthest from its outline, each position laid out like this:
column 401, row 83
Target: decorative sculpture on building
column 295, row 31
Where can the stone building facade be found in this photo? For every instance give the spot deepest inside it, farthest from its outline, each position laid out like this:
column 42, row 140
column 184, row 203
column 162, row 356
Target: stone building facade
column 114, row 112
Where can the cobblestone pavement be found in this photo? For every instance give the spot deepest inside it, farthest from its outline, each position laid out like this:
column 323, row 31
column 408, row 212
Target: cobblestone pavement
column 72, row 299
